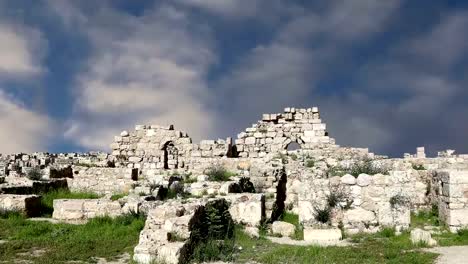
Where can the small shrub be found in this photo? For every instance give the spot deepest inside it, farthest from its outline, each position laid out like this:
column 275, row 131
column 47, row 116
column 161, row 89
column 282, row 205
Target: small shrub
column 418, row 167
column 398, row 200
column 35, row 174
column 310, row 163
column 246, row 185
column 322, row 215
column 366, row 167
column 335, row 198
column 336, row 171
column 218, row 173
column 293, row 156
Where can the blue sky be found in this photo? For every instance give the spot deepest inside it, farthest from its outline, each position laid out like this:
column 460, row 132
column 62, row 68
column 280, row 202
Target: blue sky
column 389, row 75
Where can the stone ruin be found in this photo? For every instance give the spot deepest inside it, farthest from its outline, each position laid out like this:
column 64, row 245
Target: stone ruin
column 357, row 190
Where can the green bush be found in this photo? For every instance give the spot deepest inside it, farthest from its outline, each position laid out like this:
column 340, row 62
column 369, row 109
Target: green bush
column 34, row 174
column 218, row 173
column 322, row 215
column 418, row 167
column 310, row 163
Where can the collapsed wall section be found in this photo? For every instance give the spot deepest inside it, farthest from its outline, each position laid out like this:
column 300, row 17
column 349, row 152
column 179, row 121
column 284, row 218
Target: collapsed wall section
column 276, row 131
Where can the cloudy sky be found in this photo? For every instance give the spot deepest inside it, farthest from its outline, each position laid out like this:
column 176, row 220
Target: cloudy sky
column 389, row 75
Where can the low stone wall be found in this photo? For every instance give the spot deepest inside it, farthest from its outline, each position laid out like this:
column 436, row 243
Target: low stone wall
column 453, row 198
column 367, row 202
column 102, row 180
column 83, row 209
column 29, row 205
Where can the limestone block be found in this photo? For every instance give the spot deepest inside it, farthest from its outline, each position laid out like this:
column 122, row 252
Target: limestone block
column 124, row 133
column 247, row 209
column 282, row 228
column 250, row 141
column 29, row 205
column 422, row 236
column 363, row 180
column 322, row 236
column 457, row 217
column 358, row 215
column 348, row 179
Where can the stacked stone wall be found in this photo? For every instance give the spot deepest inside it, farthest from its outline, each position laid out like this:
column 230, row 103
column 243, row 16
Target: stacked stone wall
column 276, row 131
column 102, row 180
column 372, row 201
column 453, row 198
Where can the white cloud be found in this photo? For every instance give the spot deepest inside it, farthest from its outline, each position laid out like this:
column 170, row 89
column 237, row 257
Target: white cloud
column 153, row 72
column 22, row 130
column 21, row 49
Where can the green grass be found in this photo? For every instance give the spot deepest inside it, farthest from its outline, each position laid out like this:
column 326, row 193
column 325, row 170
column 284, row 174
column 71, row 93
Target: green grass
column 447, row 238
column 100, row 237
column 294, row 219
column 47, row 200
column 425, row 218
column 369, row 249
column 118, row 196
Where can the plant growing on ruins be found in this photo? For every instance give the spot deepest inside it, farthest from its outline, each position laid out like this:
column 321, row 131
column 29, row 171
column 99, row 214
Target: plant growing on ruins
column 293, row 156
column 322, row 215
column 366, row 167
column 398, row 200
column 246, row 185
column 218, row 173
column 310, row 163
column 418, row 167
column 336, row 197
column 35, row 174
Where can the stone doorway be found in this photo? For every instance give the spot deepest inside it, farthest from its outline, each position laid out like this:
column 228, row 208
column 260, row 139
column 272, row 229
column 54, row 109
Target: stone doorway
column 171, row 154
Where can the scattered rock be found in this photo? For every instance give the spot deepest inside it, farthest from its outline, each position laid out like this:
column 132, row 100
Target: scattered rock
column 421, row 236
column 283, row 228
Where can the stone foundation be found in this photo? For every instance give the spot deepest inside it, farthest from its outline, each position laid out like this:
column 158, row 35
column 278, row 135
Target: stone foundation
column 29, row 205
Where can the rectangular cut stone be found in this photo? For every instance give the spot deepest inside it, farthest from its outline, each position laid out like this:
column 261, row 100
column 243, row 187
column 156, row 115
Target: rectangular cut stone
column 250, row 141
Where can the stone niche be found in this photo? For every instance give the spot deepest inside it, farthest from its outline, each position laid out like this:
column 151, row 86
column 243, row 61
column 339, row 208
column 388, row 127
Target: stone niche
column 277, row 132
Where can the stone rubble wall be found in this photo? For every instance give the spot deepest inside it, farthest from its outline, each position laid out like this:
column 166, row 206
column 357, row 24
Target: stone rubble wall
column 102, row 180
column 276, row 131
column 83, row 209
column 154, row 148
column 453, row 198
column 371, row 197
column 29, row 205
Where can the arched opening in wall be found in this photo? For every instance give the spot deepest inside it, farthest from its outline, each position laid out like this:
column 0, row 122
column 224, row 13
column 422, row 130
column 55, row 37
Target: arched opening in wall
column 293, row 146
column 170, row 156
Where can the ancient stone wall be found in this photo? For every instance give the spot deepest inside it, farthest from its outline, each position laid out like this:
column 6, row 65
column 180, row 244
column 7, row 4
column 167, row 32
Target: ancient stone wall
column 102, row 180
column 367, row 202
column 275, row 132
column 83, row 209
